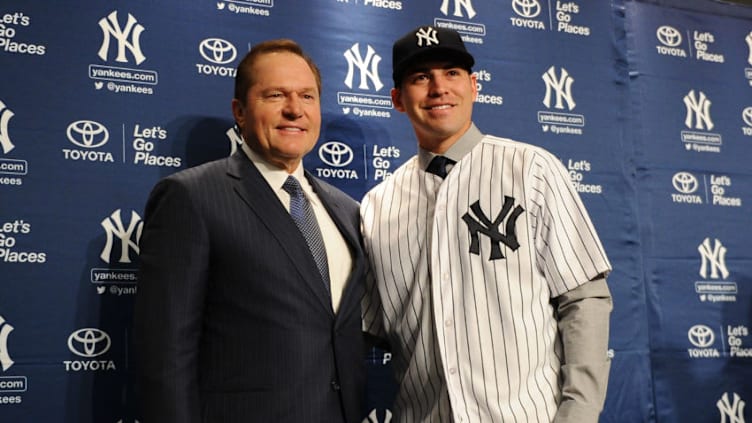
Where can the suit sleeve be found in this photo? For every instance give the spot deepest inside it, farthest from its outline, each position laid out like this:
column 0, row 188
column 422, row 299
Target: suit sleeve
column 169, row 305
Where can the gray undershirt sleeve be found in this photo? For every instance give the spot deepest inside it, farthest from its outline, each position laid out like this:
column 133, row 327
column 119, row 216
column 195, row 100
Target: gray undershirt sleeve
column 583, row 320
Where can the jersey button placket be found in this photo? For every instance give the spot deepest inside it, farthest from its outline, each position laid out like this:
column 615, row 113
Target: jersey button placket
column 450, row 335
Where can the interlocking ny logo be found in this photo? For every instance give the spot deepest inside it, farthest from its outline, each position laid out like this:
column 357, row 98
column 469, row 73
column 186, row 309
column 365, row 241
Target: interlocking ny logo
column 113, row 226
column 561, row 85
column 458, row 6
column 233, row 134
column 699, row 109
column 426, row 36
column 5, row 330
column 132, row 30
column 731, row 412
column 354, row 59
column 482, row 224
column 5, row 115
column 374, row 418
column 714, row 258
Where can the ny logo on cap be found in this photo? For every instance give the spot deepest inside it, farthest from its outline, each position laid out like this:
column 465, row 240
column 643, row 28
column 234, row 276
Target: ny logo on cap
column 427, row 35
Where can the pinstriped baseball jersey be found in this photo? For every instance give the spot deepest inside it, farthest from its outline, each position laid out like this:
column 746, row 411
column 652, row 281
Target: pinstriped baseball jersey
column 463, row 270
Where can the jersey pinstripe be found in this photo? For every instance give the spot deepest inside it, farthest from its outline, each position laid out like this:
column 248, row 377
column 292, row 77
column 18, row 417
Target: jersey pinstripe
column 463, row 270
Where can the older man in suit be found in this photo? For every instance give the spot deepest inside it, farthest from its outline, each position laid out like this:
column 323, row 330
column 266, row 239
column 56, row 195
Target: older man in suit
column 251, row 268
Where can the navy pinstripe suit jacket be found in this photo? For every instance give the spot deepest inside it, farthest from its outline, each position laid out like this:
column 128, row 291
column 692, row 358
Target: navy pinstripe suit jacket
column 232, row 323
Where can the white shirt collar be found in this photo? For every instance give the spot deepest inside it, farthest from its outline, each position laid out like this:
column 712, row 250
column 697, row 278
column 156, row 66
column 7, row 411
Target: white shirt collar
column 457, row 151
column 276, row 177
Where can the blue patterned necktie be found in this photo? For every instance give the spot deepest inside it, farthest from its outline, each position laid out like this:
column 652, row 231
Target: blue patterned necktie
column 302, row 213
column 438, row 166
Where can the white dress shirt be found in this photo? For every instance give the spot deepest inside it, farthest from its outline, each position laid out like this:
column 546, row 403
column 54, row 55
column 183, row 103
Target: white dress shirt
column 338, row 254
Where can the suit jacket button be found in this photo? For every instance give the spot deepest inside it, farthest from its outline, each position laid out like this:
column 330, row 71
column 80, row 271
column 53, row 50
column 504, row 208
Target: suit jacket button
column 335, row 385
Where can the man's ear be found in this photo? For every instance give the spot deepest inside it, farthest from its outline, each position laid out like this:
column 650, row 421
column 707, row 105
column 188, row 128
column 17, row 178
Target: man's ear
column 238, row 111
column 474, row 81
column 396, row 100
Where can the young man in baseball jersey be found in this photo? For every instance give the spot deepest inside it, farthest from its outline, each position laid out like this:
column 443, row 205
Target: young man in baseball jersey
column 488, row 276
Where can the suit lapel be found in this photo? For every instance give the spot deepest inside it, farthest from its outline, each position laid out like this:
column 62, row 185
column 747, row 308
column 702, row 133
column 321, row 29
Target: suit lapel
column 256, row 193
column 351, row 235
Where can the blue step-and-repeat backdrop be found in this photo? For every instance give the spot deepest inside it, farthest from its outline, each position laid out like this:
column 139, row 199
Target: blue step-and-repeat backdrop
column 647, row 103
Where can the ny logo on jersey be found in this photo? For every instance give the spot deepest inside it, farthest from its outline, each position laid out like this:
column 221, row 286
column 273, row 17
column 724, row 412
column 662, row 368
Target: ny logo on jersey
column 733, row 412
column 374, row 418
column 482, row 224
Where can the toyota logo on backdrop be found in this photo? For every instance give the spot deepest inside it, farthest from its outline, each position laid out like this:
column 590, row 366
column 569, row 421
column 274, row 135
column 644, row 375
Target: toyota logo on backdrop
column 217, row 50
column 668, row 36
column 701, row 336
column 336, row 154
column 87, row 134
column 684, row 182
column 526, row 8
column 89, row 342
column 747, row 116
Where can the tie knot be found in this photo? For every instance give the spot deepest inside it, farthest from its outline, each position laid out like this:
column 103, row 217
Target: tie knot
column 292, row 186
column 438, row 165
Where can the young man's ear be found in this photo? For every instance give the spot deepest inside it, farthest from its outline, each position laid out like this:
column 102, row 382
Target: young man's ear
column 396, row 100
column 474, row 81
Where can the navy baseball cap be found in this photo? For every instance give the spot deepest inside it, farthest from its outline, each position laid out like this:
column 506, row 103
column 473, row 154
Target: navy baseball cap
column 426, row 43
